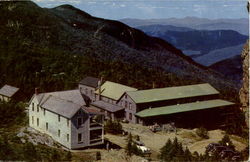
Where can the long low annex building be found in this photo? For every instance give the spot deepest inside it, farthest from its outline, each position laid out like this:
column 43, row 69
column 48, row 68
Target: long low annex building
column 200, row 102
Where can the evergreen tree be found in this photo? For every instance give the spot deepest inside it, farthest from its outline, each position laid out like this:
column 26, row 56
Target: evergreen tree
column 227, row 142
column 129, row 145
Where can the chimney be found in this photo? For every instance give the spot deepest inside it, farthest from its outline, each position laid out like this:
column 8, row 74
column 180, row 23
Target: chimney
column 36, row 91
column 99, row 88
column 153, row 86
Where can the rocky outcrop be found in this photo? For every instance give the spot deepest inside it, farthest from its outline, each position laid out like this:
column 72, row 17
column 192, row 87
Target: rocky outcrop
column 244, row 92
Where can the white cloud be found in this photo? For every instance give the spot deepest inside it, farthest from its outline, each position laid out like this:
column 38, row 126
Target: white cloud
column 58, row 1
column 122, row 5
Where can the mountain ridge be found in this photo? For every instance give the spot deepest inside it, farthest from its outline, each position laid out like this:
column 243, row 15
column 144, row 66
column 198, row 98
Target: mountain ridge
column 39, row 34
column 240, row 25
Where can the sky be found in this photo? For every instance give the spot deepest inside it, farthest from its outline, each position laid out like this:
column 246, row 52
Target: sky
column 156, row 9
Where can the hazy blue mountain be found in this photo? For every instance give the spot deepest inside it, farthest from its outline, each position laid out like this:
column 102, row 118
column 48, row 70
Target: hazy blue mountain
column 219, row 55
column 240, row 25
column 195, row 42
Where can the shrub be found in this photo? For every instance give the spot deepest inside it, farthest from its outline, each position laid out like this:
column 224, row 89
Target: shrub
column 225, row 141
column 98, row 155
column 113, row 127
column 202, row 132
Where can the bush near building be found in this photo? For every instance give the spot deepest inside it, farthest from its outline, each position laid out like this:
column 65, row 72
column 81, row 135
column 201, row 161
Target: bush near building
column 113, row 127
column 202, row 132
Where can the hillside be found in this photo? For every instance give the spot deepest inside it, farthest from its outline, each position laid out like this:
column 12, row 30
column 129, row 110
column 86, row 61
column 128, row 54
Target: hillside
column 239, row 25
column 54, row 48
column 231, row 68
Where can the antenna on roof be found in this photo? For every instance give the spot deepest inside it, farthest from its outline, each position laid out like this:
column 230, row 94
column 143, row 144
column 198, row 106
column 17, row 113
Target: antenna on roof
column 36, row 91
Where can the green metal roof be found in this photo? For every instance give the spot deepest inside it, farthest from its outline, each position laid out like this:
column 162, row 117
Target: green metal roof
column 166, row 110
column 168, row 93
column 114, row 90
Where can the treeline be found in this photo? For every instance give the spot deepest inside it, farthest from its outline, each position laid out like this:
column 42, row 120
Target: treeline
column 173, row 151
column 28, row 67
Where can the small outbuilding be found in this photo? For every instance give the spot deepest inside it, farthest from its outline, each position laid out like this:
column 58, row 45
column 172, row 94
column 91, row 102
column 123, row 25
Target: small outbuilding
column 8, row 92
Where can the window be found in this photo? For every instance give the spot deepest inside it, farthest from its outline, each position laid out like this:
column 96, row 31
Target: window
column 59, row 132
column 130, row 106
column 32, row 119
column 130, row 116
column 79, row 112
column 32, row 106
column 79, row 122
column 86, row 91
column 126, row 104
column 59, row 118
column 37, row 121
column 44, row 111
column 67, row 122
column 126, row 96
column 47, row 126
column 79, row 137
column 91, row 91
column 37, row 108
column 67, row 137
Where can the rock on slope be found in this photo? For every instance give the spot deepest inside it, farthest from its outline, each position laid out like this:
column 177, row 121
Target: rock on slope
column 244, row 91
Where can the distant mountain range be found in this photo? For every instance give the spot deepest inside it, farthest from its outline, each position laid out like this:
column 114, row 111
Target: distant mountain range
column 203, row 41
column 208, row 42
column 239, row 25
column 68, row 29
column 219, row 55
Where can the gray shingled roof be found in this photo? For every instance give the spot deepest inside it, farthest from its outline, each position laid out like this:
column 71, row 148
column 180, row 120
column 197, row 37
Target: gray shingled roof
column 107, row 106
column 70, row 95
column 90, row 81
column 8, row 90
column 60, row 106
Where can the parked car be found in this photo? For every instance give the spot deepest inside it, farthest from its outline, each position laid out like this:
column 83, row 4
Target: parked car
column 211, row 146
column 236, row 158
column 141, row 146
column 228, row 154
column 155, row 128
column 218, row 149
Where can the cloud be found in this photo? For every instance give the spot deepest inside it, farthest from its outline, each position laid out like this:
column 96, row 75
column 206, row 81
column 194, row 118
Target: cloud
column 58, row 1
column 122, row 5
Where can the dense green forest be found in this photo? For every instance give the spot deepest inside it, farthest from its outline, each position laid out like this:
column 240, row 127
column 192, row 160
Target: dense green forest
column 29, row 66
